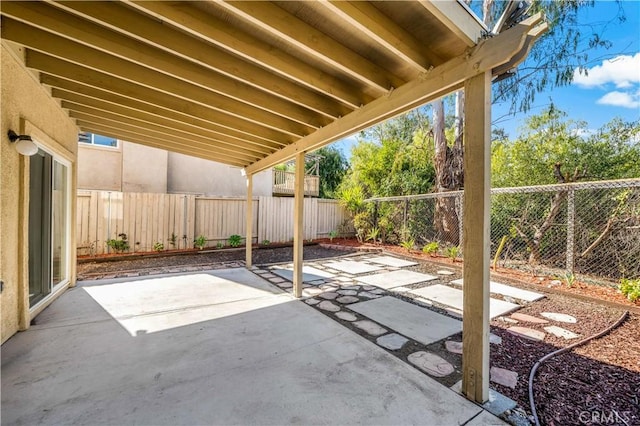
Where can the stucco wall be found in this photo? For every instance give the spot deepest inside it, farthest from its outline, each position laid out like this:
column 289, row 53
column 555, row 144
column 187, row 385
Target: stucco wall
column 194, row 175
column 23, row 99
column 144, row 169
column 99, row 168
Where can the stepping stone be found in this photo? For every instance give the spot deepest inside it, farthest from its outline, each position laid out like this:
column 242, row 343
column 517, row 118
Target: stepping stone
column 369, row 287
column 370, row 327
column 328, row 306
column 328, row 295
column 503, row 377
column 420, row 324
column 276, row 280
column 392, row 261
column 343, row 279
column 309, row 274
column 378, row 291
column 509, row 320
column 452, row 298
column 285, row 284
column 495, row 339
column 369, row 295
column 561, row 332
column 268, row 275
column 351, row 287
column 453, row 347
column 347, row 292
column 392, row 341
column 527, row 333
column 317, row 282
column 330, row 288
column 528, row 318
column 507, row 290
column 312, row 302
column 352, row 267
column 431, row 363
column 307, row 292
column 554, row 316
column 346, row 316
column 347, row 299
column 394, row 279
column 401, row 289
column 445, row 272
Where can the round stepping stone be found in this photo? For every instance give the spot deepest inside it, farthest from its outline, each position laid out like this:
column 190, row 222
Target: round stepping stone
column 527, row 333
column 444, row 272
column 528, row 318
column 328, row 287
column 503, row 377
column 316, row 282
column 495, row 339
column 368, row 295
column 454, row 347
column 346, row 316
column 368, row 287
column 328, row 306
column 312, row 301
column 431, row 363
column 370, row 327
column 554, row 316
column 561, row 332
column 392, row 341
column 328, row 295
column 347, row 292
column 347, row 299
column 311, row 291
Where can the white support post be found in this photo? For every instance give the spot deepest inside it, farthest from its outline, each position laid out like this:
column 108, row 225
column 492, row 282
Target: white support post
column 477, row 198
column 298, row 225
column 249, row 225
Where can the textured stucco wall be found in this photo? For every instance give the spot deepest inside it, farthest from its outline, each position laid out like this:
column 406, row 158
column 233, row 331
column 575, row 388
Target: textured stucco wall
column 194, row 175
column 24, row 100
column 99, row 168
column 144, row 169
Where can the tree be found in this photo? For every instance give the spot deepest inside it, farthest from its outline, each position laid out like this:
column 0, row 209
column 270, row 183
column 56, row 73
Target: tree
column 333, row 166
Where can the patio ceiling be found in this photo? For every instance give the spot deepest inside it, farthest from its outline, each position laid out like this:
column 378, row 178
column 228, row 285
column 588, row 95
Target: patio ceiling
column 251, row 84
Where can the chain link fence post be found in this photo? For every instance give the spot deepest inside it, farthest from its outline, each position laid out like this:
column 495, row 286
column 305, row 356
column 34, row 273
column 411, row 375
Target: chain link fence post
column 460, row 210
column 571, row 222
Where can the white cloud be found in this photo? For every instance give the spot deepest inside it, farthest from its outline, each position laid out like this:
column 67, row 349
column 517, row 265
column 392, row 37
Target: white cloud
column 622, row 71
column 621, row 99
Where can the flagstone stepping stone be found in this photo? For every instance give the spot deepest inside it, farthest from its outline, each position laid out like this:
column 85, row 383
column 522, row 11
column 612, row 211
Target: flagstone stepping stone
column 346, row 316
column 343, row 279
column 509, row 320
column 431, row 363
column 317, row 282
column 370, row 327
column 330, row 288
column 312, row 301
column 285, row 284
column 392, row 261
column 351, row 287
column 495, row 339
column 392, row 341
column 328, row 295
column 528, row 318
column 309, row 274
column 401, row 289
column 268, row 275
column 509, row 291
column 453, row 346
column 561, row 332
column 276, row 280
column 368, row 295
column 444, row 272
column 328, row 306
column 311, row 292
column 347, row 292
column 393, row 279
column 352, row 267
column 503, row 377
column 554, row 316
column 527, row 333
column 368, row 287
column 347, row 299
column 378, row 291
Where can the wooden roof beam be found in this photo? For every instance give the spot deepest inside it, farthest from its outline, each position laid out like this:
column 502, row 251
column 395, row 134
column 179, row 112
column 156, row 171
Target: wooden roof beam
column 443, row 79
column 457, row 18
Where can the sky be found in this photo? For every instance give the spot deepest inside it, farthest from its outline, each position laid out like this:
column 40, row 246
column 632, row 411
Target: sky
column 611, row 88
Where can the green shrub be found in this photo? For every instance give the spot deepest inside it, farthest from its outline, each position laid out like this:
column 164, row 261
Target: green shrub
column 630, row 288
column 120, row 244
column 453, row 252
column 173, row 240
column 266, row 242
column 431, row 248
column 158, row 246
column 219, row 245
column 408, row 244
column 200, row 242
column 235, row 240
column 332, row 235
column 373, row 234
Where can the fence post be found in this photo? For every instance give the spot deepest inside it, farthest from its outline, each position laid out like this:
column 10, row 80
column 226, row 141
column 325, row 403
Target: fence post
column 460, row 202
column 571, row 218
column 375, row 214
column 404, row 220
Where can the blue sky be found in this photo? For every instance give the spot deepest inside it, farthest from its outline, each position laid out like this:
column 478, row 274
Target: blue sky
column 612, row 87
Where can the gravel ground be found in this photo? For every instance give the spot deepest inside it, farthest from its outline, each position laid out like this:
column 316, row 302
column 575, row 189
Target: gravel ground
column 598, row 383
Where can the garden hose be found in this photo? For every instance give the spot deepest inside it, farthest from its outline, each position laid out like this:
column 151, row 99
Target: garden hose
column 558, row 352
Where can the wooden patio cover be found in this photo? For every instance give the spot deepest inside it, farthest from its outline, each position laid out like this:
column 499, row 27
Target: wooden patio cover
column 253, row 84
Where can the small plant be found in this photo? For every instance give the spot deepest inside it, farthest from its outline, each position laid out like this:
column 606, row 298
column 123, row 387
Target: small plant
column 332, row 235
column 266, row 242
column 119, row 244
column 373, row 234
column 173, row 240
column 431, row 248
column 220, row 245
column 200, row 242
column 235, row 240
column 453, row 252
column 630, row 288
column 408, row 244
column 569, row 279
column 158, row 246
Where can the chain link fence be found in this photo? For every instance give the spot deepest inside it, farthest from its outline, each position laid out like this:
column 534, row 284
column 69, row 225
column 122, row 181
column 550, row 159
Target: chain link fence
column 591, row 229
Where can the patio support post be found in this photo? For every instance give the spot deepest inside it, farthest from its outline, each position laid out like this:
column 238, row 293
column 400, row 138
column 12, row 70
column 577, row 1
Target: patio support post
column 298, row 225
column 249, row 224
column 477, row 198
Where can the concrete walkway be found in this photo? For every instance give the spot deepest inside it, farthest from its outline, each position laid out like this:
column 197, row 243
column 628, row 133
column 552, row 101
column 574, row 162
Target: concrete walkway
column 219, row 348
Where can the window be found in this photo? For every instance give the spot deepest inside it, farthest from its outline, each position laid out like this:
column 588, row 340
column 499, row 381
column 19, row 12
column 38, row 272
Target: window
column 93, row 139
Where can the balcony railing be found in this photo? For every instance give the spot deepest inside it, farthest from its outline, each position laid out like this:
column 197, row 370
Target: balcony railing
column 284, row 184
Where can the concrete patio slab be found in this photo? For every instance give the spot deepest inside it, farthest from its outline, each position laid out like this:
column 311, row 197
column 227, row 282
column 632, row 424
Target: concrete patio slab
column 393, row 279
column 309, row 274
column 266, row 359
column 453, row 298
column 392, row 261
column 352, row 266
column 507, row 290
column 420, row 324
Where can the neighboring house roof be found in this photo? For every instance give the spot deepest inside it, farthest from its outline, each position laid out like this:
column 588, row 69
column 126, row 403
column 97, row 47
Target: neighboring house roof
column 251, row 84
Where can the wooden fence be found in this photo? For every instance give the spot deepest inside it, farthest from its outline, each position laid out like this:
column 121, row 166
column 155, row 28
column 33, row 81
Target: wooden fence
column 175, row 220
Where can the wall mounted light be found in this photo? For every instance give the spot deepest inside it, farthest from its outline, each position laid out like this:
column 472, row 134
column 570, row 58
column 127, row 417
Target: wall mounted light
column 24, row 143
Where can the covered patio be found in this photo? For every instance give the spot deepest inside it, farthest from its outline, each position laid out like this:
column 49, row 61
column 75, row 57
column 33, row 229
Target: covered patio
column 254, row 84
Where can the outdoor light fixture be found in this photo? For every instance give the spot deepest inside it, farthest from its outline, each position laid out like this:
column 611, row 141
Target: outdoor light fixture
column 24, row 143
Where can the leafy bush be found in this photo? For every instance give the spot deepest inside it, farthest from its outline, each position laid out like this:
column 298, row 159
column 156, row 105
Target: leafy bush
column 173, row 240
column 266, row 242
column 219, row 245
column 431, row 248
column 630, row 288
column 200, row 242
column 235, row 240
column 373, row 234
column 158, row 246
column 408, row 244
column 332, row 235
column 120, row 244
column 453, row 252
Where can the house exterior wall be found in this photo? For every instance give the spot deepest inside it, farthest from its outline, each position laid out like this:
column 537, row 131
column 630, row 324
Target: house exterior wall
column 99, row 167
column 27, row 108
column 144, row 169
column 194, row 175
